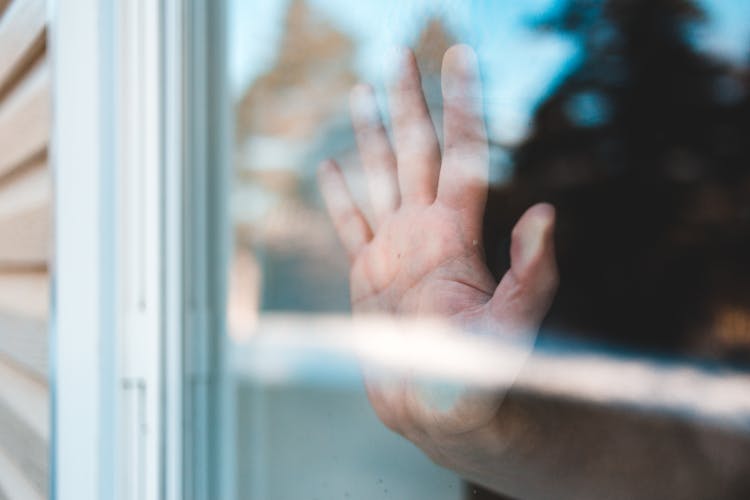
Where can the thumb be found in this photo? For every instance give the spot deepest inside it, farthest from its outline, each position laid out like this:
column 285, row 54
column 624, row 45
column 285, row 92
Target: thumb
column 525, row 293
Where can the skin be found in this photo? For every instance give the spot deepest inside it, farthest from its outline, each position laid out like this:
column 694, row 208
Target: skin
column 421, row 255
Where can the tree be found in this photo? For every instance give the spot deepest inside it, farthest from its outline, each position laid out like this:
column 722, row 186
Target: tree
column 646, row 158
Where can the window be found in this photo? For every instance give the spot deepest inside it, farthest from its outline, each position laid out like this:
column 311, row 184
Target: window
column 611, row 111
column 204, row 341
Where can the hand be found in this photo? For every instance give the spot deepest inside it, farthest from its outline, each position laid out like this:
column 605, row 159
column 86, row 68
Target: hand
column 422, row 254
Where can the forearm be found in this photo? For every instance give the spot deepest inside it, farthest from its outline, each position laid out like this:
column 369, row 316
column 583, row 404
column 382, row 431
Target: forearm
column 557, row 448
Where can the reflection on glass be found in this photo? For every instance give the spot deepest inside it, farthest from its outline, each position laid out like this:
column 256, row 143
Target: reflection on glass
column 630, row 117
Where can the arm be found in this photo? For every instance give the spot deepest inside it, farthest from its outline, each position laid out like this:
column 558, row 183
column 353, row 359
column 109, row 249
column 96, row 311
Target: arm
column 421, row 255
column 561, row 448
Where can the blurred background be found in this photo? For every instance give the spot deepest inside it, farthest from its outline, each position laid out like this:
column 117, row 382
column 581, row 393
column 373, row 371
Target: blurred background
column 631, row 117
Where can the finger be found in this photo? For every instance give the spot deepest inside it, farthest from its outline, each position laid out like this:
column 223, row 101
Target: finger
column 350, row 223
column 463, row 176
column 378, row 160
column 417, row 147
column 525, row 293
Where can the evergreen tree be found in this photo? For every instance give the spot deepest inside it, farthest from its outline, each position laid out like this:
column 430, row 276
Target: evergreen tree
column 642, row 144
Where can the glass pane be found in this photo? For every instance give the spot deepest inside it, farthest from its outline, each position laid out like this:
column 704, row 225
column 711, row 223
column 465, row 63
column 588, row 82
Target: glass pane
column 629, row 117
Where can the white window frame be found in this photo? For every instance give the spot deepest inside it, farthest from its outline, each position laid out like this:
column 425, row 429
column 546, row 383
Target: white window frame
column 140, row 152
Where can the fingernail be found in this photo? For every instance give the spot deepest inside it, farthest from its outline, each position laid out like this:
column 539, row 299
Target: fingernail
column 325, row 171
column 531, row 243
column 460, row 73
column 325, row 166
column 406, row 62
column 533, row 230
column 466, row 60
column 363, row 104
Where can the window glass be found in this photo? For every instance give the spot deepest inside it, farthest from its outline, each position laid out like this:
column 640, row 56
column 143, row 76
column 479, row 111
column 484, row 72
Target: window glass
column 631, row 118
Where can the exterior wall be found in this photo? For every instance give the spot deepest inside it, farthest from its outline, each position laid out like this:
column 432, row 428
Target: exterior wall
column 25, row 243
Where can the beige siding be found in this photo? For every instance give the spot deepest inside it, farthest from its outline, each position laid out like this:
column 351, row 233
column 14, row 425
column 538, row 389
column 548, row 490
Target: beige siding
column 24, row 423
column 25, row 246
column 24, row 342
column 26, row 219
column 25, row 119
column 13, row 483
column 22, row 38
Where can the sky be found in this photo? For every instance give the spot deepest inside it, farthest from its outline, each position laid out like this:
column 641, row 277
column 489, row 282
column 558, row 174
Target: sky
column 518, row 64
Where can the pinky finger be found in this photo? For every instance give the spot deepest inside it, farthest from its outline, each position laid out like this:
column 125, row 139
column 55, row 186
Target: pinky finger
column 351, row 225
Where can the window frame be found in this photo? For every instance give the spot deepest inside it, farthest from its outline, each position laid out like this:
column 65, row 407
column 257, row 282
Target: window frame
column 139, row 131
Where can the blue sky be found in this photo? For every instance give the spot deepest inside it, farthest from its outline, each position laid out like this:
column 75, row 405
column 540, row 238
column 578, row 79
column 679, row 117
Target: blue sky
column 728, row 29
column 518, row 64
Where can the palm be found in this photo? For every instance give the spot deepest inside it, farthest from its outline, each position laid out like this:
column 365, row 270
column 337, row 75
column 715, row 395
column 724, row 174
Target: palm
column 423, row 261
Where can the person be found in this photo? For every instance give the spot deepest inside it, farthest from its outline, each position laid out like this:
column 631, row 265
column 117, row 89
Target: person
column 421, row 254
